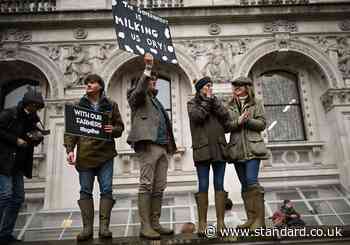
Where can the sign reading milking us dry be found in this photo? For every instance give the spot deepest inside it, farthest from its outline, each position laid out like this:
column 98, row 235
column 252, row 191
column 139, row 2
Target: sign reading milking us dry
column 141, row 32
column 83, row 122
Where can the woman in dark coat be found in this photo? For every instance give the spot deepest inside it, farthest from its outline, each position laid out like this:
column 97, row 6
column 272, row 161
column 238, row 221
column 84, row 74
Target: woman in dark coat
column 208, row 119
column 246, row 148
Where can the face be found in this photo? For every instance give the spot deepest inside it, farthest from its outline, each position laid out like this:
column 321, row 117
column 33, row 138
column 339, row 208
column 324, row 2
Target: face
column 92, row 87
column 32, row 108
column 289, row 205
column 207, row 89
column 152, row 84
column 239, row 90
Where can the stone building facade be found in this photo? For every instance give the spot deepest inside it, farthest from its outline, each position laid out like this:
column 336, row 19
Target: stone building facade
column 296, row 51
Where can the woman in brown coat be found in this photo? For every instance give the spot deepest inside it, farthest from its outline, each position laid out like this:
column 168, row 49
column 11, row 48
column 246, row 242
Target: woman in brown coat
column 246, row 148
column 208, row 118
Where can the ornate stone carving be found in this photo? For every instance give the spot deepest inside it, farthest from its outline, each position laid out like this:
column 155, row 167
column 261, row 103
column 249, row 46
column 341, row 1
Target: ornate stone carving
column 195, row 49
column 15, row 35
column 220, row 65
column 80, row 33
column 9, row 51
column 214, row 29
column 282, row 41
column 335, row 97
column 344, row 25
column 280, row 26
column 103, row 52
column 344, row 56
column 54, row 52
column 77, row 65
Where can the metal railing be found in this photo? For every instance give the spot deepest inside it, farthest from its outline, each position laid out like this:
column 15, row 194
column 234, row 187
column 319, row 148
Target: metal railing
column 157, row 3
column 273, row 2
column 21, row 6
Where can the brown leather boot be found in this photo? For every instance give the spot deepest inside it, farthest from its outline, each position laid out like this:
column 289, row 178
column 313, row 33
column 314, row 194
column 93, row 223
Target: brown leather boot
column 144, row 206
column 155, row 215
column 202, row 209
column 220, row 199
column 257, row 193
column 106, row 206
column 249, row 209
column 87, row 214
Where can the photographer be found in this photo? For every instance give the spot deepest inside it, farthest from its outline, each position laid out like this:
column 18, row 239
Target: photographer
column 19, row 134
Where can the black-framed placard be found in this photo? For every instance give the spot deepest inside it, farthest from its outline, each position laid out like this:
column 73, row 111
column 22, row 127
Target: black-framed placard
column 84, row 122
column 140, row 32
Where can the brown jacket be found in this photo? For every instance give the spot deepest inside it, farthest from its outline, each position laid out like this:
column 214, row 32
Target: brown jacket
column 93, row 152
column 145, row 117
column 246, row 142
column 209, row 120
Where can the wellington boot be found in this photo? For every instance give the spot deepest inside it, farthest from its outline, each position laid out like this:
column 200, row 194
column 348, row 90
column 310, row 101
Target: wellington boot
column 249, row 209
column 202, row 209
column 144, row 206
column 87, row 214
column 220, row 200
column 257, row 193
column 106, row 206
column 155, row 215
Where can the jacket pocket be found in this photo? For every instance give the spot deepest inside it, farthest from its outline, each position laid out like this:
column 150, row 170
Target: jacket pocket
column 201, row 152
column 233, row 149
column 257, row 146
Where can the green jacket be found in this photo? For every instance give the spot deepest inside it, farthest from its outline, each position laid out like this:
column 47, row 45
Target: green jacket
column 209, row 121
column 145, row 116
column 93, row 152
column 246, row 142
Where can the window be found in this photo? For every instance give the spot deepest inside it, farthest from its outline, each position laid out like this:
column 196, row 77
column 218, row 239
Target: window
column 282, row 106
column 164, row 95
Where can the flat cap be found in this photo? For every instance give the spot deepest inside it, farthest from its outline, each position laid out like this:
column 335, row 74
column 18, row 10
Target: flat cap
column 242, row 80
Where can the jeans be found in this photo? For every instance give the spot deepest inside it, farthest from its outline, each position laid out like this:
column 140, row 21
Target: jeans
column 248, row 172
column 203, row 176
column 104, row 175
column 11, row 199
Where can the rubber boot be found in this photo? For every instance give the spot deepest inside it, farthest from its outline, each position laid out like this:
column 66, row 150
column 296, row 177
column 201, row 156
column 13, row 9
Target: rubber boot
column 106, row 206
column 249, row 209
column 87, row 215
column 257, row 193
column 144, row 206
column 220, row 200
column 155, row 215
column 202, row 209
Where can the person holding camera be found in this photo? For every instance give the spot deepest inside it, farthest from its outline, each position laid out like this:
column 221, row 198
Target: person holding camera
column 152, row 138
column 209, row 120
column 19, row 134
column 94, row 158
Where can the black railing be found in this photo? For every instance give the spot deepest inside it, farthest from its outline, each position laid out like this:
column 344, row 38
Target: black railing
column 19, row 6
column 157, row 3
column 273, row 2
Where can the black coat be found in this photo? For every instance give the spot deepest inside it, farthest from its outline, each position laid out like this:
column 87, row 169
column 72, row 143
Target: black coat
column 15, row 123
column 209, row 121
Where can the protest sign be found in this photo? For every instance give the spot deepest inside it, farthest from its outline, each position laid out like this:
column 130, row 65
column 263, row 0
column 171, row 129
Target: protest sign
column 83, row 122
column 140, row 32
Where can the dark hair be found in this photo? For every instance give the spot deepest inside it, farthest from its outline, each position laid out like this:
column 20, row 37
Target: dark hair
column 228, row 204
column 94, row 78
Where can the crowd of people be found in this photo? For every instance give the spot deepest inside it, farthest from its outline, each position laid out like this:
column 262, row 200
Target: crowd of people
column 151, row 137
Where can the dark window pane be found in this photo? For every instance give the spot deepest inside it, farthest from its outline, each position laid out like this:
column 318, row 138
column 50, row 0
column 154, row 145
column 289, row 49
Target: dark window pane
column 280, row 88
column 282, row 106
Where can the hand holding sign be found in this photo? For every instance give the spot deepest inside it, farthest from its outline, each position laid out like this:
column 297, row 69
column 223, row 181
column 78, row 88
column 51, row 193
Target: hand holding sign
column 148, row 59
column 71, row 158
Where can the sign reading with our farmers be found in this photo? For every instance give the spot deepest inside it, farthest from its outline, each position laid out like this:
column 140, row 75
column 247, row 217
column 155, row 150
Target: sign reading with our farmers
column 84, row 122
column 141, row 32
